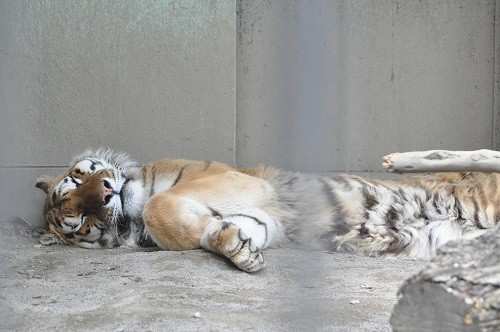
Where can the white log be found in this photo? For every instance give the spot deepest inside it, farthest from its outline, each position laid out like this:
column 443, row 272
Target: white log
column 442, row 161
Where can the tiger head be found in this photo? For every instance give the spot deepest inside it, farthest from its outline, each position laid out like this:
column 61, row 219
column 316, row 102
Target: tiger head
column 92, row 204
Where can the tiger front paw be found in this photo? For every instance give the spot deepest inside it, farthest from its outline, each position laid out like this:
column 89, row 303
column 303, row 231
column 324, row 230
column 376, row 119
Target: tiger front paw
column 230, row 241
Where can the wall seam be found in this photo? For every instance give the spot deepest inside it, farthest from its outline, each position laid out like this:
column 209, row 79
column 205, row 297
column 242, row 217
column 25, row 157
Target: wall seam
column 235, row 78
column 495, row 141
column 238, row 11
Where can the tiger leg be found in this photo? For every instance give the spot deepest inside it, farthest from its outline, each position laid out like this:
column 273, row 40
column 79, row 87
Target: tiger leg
column 223, row 213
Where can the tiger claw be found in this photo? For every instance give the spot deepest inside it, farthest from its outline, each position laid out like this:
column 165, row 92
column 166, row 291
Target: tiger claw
column 248, row 258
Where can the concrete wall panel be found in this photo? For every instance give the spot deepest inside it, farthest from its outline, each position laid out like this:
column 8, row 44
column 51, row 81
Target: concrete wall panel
column 335, row 85
column 153, row 78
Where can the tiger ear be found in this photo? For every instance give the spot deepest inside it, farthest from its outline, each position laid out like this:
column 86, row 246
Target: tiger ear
column 45, row 184
column 49, row 238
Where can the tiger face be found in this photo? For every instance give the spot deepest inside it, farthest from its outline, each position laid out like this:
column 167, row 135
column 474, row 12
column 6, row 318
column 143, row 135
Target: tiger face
column 84, row 205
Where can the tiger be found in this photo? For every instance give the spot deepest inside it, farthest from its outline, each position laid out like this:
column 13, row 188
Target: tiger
column 107, row 200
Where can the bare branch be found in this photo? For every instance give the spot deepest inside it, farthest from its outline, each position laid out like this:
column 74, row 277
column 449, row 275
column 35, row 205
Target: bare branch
column 442, row 161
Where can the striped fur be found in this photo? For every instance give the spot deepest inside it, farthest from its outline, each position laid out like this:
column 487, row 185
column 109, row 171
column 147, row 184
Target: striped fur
column 105, row 200
column 411, row 217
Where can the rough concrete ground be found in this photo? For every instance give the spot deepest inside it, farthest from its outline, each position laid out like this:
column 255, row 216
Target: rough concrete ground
column 66, row 288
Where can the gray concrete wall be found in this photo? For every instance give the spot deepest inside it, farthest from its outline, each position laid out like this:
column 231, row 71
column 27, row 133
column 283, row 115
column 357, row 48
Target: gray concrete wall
column 335, row 85
column 153, row 78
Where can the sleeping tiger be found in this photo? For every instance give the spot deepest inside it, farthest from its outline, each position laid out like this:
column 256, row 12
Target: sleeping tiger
column 106, row 200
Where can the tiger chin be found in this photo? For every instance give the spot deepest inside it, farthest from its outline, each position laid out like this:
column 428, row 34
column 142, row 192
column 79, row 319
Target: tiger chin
column 106, row 200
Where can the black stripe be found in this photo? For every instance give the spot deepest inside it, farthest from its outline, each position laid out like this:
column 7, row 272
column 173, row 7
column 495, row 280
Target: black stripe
column 370, row 199
column 87, row 231
column 179, row 176
column 100, row 227
column 369, row 202
column 477, row 221
column 458, row 208
column 69, row 225
column 363, row 230
column 343, row 182
column 122, row 191
column 392, row 217
column 144, row 175
column 78, row 171
column 360, row 181
column 338, row 226
column 260, row 223
column 58, row 222
column 422, row 213
column 397, row 246
column 476, row 212
column 74, row 181
column 215, row 213
column 153, row 179
column 402, row 194
column 247, row 216
column 291, row 181
column 435, row 200
column 330, row 195
column 102, row 242
column 428, row 194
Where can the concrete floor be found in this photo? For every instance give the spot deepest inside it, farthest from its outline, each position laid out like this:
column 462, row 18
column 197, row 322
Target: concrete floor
column 62, row 288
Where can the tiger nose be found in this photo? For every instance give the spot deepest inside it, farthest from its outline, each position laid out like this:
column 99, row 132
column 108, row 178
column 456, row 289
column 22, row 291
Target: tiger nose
column 107, row 191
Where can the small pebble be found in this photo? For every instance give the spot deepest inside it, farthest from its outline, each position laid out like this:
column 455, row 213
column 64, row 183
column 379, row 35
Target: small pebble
column 37, row 246
column 197, row 315
column 468, row 320
column 354, row 302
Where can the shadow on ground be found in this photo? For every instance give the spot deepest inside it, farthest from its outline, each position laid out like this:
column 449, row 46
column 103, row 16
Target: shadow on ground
column 64, row 288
